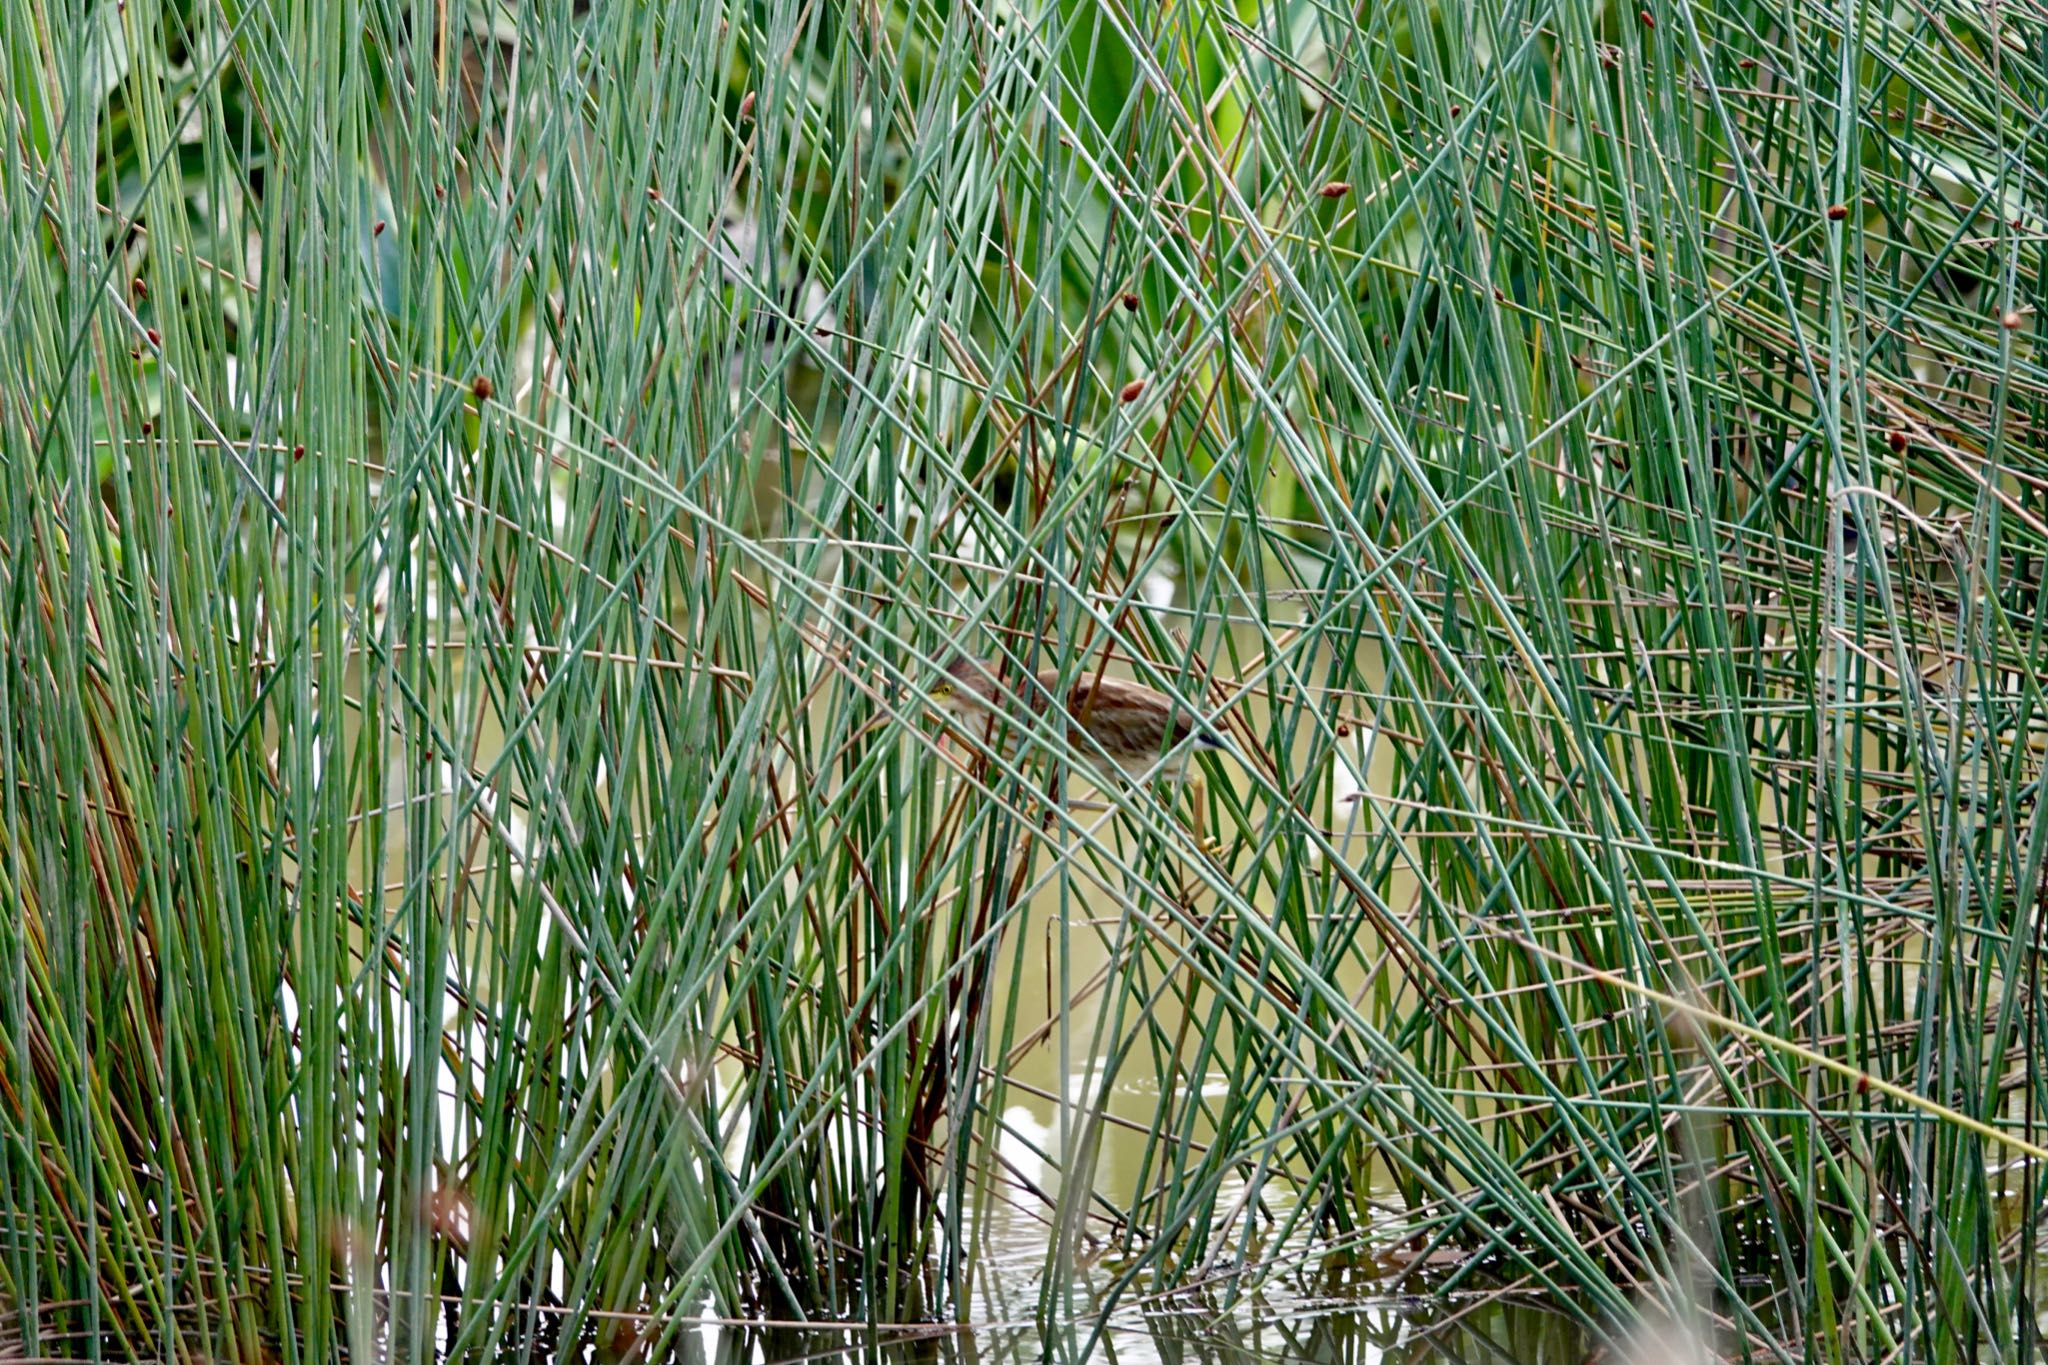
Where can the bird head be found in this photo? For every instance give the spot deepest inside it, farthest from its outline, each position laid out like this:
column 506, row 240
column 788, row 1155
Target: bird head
column 964, row 686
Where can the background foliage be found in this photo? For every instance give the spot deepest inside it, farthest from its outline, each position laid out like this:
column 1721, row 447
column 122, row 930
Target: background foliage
column 485, row 489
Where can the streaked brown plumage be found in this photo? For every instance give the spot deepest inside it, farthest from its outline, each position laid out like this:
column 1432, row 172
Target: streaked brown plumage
column 1116, row 728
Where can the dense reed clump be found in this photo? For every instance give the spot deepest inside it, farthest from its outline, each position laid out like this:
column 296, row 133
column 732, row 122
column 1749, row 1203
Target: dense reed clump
column 487, row 492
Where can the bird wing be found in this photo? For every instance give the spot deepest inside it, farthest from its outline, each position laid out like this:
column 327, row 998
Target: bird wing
column 1128, row 718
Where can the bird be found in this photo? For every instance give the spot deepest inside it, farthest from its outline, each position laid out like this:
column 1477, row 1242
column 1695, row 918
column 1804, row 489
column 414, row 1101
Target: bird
column 1119, row 731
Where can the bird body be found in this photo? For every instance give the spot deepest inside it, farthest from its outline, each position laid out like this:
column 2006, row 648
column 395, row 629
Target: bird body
column 1118, row 730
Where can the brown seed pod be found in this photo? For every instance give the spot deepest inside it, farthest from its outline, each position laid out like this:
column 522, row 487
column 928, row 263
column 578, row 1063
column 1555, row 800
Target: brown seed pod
column 1897, row 441
column 1335, row 189
column 746, row 106
column 1457, row 109
column 654, row 193
column 156, row 338
column 1130, row 303
column 1837, row 212
column 1746, row 64
column 147, row 427
column 298, row 453
column 377, row 228
column 2013, row 322
column 1131, row 392
column 482, row 387
column 1343, row 730
column 138, row 288
column 1649, row 19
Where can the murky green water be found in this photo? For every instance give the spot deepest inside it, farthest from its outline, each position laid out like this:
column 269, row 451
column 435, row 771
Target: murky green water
column 1059, row 952
column 1389, row 1331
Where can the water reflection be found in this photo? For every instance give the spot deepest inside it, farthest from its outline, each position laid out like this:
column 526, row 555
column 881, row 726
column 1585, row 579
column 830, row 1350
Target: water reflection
column 1391, row 1331
column 1469, row 1330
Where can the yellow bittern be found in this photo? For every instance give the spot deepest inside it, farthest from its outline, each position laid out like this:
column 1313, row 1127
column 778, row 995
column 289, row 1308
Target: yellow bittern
column 1118, row 731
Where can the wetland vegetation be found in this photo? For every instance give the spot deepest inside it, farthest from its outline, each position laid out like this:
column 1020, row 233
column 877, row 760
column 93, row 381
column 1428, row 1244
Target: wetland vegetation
column 487, row 493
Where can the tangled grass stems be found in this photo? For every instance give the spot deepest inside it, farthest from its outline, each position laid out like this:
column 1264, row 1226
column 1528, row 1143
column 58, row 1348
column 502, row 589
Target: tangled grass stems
column 485, row 500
